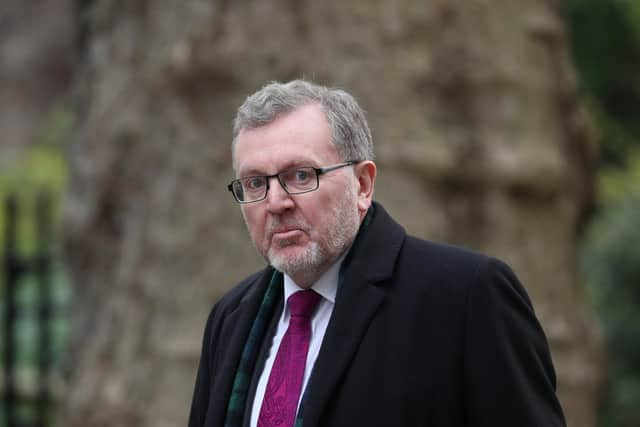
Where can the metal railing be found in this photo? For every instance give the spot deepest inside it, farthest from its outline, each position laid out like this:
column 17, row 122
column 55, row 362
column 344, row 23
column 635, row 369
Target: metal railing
column 26, row 392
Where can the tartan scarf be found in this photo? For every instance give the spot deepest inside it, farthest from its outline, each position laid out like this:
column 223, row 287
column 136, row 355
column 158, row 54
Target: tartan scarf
column 240, row 389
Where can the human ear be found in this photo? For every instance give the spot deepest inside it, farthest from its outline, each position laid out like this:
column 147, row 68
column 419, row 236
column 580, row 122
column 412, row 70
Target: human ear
column 365, row 172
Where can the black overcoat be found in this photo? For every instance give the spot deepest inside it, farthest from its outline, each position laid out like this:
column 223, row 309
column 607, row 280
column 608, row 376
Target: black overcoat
column 422, row 334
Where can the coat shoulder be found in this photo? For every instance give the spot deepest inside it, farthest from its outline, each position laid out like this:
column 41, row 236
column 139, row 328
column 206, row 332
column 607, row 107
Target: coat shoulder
column 442, row 259
column 230, row 300
column 427, row 266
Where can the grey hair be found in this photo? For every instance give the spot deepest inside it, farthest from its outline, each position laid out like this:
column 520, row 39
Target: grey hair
column 349, row 128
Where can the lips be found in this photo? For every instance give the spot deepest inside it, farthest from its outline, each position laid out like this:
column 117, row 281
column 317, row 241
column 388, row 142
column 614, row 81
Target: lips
column 278, row 227
column 285, row 233
column 284, row 229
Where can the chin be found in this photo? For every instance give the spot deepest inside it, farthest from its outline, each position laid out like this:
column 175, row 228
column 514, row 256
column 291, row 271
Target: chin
column 294, row 261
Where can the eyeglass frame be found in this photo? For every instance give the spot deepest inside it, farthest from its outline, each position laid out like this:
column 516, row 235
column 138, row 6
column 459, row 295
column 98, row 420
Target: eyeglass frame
column 318, row 172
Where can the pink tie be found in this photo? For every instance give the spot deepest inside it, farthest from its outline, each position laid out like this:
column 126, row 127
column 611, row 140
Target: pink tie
column 285, row 381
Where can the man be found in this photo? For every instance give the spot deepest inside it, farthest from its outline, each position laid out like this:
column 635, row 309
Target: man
column 353, row 322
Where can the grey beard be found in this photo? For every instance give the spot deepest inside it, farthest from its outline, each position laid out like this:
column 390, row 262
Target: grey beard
column 319, row 256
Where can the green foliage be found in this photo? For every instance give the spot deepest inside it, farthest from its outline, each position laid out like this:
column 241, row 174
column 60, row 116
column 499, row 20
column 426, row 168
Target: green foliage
column 41, row 168
column 617, row 184
column 606, row 45
column 611, row 260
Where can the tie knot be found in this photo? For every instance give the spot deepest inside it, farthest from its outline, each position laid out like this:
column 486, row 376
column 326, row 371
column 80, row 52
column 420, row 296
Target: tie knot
column 303, row 303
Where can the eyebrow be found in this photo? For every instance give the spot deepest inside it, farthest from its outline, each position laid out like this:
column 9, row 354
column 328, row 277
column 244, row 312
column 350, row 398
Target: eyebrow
column 289, row 165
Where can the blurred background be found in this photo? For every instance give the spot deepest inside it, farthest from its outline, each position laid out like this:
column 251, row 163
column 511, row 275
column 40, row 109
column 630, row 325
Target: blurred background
column 507, row 126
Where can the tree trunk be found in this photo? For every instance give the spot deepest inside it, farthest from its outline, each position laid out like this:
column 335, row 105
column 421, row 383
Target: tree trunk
column 35, row 70
column 481, row 140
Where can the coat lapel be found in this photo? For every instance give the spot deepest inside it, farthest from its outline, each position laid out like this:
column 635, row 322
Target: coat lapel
column 233, row 336
column 369, row 264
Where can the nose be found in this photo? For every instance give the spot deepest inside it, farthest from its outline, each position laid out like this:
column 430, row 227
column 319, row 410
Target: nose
column 278, row 200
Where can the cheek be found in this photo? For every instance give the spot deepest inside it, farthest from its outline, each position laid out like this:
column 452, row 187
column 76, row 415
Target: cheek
column 320, row 215
column 252, row 219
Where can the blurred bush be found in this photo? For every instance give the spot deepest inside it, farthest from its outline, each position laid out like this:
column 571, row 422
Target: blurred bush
column 41, row 167
column 612, row 265
column 606, row 44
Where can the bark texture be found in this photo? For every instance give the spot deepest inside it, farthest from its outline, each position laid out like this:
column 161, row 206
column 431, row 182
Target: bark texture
column 36, row 64
column 481, row 141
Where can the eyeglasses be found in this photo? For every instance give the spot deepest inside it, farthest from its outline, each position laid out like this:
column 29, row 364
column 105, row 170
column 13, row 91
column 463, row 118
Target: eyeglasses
column 294, row 181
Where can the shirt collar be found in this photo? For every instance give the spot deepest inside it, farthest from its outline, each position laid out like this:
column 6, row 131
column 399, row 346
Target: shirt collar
column 326, row 285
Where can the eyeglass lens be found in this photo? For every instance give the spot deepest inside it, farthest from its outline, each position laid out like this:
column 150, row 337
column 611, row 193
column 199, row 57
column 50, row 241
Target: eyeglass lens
column 293, row 181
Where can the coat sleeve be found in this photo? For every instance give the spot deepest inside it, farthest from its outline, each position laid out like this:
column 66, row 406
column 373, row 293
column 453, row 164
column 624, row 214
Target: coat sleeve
column 509, row 375
column 200, row 400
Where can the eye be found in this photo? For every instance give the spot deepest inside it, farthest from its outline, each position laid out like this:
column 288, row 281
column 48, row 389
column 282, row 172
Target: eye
column 254, row 183
column 302, row 175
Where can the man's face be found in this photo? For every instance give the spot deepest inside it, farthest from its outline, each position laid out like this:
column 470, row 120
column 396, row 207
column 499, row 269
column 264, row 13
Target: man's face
column 303, row 234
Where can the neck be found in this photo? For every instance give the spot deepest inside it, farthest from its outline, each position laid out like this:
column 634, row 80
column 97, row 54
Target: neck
column 306, row 278
column 306, row 281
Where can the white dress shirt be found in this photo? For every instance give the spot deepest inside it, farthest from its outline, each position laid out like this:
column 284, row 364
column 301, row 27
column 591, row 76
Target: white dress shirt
column 326, row 286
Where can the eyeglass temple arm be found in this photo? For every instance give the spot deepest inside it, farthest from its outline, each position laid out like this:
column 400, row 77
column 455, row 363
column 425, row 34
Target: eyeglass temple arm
column 321, row 171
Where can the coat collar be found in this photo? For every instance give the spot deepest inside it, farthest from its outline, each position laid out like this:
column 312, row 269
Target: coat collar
column 370, row 262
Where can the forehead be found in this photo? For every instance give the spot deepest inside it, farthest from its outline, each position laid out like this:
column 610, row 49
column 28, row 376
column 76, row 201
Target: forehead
column 302, row 136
